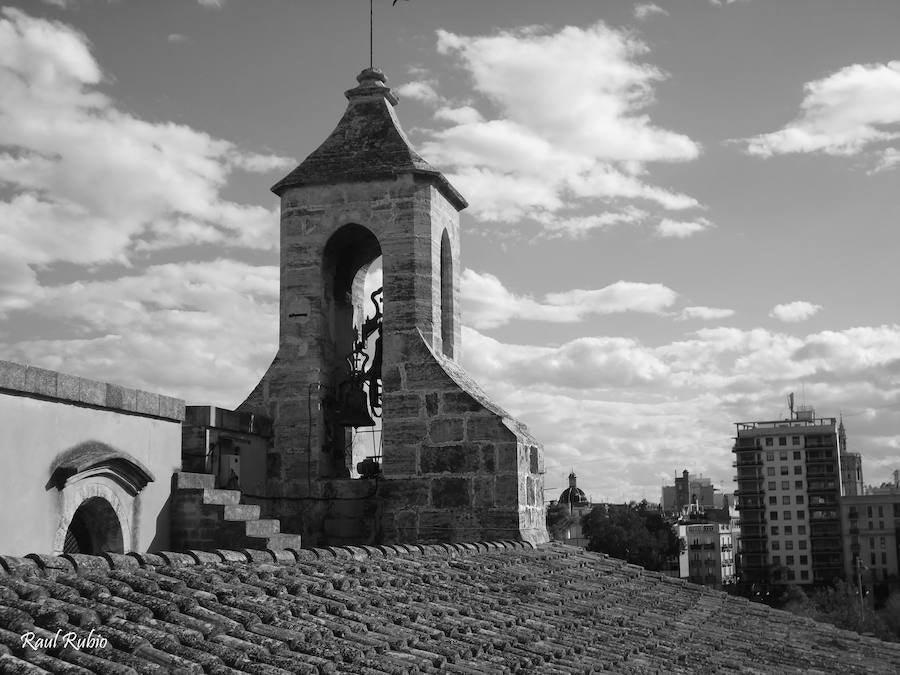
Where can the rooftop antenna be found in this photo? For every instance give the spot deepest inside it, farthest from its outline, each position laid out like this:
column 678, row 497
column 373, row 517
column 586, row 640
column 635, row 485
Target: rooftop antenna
column 791, row 404
column 371, row 31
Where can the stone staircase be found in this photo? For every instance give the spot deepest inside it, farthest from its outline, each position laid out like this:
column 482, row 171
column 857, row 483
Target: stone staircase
column 205, row 518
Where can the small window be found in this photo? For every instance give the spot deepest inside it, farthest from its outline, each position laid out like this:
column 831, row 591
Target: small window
column 782, row 440
column 798, row 470
column 769, row 442
column 773, row 515
column 801, row 515
column 776, row 546
column 795, row 440
column 804, row 560
column 884, row 558
column 774, row 530
column 787, row 515
column 804, row 575
column 773, row 499
column 785, row 485
column 798, row 484
column 770, row 471
column 882, row 541
column 786, row 499
column 800, row 499
column 802, row 543
column 801, row 529
column 789, row 545
column 771, row 484
column 796, row 454
column 873, row 557
column 871, row 541
column 788, row 529
column 784, row 470
column 782, row 455
column 869, row 511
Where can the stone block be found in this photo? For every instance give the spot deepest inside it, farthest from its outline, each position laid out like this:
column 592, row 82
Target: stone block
column 407, row 431
column 483, row 492
column 431, row 404
column 91, row 392
column 450, row 493
column 147, row 403
column 399, row 404
column 171, row 408
column 534, row 459
column 405, row 492
column 40, row 381
column 12, row 376
column 487, row 428
column 458, row 402
column 400, row 460
column 506, row 492
column 67, row 386
column 507, row 457
column 488, row 457
column 445, row 429
column 121, row 398
column 458, row 458
column 427, row 376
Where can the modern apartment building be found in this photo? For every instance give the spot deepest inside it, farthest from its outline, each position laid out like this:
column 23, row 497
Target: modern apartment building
column 789, row 483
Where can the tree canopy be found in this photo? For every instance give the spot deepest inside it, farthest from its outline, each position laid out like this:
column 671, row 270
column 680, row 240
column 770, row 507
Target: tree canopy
column 559, row 520
column 633, row 532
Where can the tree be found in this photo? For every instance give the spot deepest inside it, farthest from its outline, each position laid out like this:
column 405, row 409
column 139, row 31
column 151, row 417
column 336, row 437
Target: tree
column 633, row 532
column 559, row 520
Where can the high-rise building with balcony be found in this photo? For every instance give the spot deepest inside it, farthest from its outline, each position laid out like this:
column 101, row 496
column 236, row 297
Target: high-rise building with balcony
column 789, row 482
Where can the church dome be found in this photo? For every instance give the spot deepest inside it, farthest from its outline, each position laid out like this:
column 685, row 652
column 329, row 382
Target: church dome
column 574, row 496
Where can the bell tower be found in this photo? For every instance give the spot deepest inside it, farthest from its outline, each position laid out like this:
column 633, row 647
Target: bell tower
column 454, row 466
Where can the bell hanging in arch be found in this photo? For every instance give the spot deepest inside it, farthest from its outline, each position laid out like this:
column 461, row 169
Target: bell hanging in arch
column 353, row 405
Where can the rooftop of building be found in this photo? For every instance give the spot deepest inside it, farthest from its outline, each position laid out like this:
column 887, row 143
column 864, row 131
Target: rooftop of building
column 466, row 608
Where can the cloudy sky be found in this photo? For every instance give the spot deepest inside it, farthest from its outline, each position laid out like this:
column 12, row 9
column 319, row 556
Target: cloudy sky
column 680, row 211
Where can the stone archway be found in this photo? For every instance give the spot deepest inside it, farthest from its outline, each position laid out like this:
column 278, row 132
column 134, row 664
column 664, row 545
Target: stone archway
column 94, row 529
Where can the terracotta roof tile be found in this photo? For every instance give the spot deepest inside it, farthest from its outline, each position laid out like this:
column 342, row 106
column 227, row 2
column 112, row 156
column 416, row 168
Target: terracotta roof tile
column 401, row 609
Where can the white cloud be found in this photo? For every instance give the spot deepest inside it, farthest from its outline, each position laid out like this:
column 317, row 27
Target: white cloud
column 845, row 113
column 799, row 310
column 488, row 304
column 705, row 313
column 79, row 169
column 176, row 38
column 567, row 127
column 212, row 4
column 628, row 415
column 421, row 90
column 682, row 229
column 645, row 10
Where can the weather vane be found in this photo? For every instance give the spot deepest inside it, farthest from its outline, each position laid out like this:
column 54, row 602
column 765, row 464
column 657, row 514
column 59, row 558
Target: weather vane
column 372, row 29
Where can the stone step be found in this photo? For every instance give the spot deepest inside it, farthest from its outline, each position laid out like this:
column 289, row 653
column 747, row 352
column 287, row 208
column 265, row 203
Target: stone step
column 281, row 541
column 223, row 497
column 185, row 480
column 263, row 528
column 241, row 512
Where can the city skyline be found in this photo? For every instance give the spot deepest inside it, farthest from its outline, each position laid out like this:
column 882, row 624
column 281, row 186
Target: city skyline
column 670, row 227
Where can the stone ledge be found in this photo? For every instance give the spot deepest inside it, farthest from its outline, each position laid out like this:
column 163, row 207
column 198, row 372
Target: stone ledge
column 21, row 380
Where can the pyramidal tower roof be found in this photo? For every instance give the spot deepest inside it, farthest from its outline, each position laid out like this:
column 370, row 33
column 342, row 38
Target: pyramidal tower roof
column 367, row 144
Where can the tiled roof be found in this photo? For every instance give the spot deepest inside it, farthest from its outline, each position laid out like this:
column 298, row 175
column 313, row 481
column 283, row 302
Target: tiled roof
column 463, row 608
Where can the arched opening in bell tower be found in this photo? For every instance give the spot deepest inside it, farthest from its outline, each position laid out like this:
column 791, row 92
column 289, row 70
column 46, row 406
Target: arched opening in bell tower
column 447, row 309
column 352, row 346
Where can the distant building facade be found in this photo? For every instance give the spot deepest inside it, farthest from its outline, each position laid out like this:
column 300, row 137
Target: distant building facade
column 789, row 485
column 691, row 490
column 708, row 555
column 871, row 526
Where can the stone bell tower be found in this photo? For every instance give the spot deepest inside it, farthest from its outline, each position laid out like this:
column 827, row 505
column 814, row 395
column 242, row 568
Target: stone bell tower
column 454, row 466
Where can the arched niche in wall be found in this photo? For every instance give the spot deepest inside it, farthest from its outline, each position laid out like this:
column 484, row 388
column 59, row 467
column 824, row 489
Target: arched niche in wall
column 448, row 316
column 98, row 491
